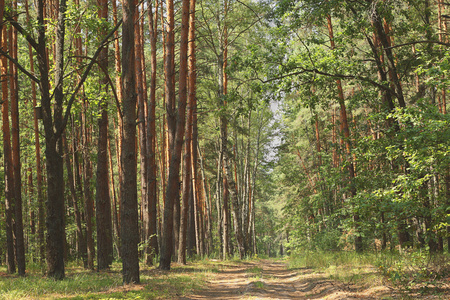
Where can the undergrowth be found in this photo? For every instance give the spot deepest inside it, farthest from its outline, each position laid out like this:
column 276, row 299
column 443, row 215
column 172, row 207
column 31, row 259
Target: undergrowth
column 410, row 272
column 416, row 271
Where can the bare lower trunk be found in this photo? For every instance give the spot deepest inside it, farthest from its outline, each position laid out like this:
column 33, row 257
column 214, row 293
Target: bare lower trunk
column 129, row 207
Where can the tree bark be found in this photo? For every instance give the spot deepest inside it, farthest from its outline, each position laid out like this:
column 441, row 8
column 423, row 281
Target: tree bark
column 53, row 126
column 143, row 156
column 14, row 91
column 87, row 179
column 37, row 146
column 172, row 194
column 119, row 129
column 7, row 156
column 152, row 248
column 187, row 187
column 102, row 195
column 189, row 172
column 129, row 207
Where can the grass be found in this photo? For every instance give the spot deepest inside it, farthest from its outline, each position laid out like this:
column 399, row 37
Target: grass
column 86, row 284
column 344, row 266
column 417, row 271
column 411, row 273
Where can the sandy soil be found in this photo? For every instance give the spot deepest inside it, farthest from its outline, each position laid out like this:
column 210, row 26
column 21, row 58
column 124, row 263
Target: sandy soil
column 267, row 279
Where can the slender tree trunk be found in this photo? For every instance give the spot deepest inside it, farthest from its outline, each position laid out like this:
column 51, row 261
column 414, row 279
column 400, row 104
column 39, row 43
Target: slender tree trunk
column 87, row 179
column 152, row 249
column 81, row 240
column 119, row 130
column 143, row 157
column 7, row 156
column 169, row 70
column 41, row 217
column 102, row 196
column 225, row 218
column 115, row 221
column 174, row 167
column 188, row 173
column 209, row 236
column 192, row 65
column 14, row 90
column 220, row 194
column 187, row 186
column 129, row 207
column 191, row 234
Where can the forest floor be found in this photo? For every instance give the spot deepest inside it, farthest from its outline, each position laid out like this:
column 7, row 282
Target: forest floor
column 270, row 279
column 232, row 279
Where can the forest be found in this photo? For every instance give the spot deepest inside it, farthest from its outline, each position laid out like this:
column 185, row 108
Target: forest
column 153, row 132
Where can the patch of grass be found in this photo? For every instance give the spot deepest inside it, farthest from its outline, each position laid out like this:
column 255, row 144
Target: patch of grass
column 86, row 284
column 259, row 284
column 345, row 266
column 254, row 270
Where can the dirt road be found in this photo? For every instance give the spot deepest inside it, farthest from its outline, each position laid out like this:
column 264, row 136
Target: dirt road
column 267, row 279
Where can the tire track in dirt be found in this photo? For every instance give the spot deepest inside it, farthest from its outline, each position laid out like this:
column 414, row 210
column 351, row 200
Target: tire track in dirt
column 267, row 279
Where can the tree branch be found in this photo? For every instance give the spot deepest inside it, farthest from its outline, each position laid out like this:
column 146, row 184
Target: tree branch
column 418, row 42
column 105, row 72
column 84, row 77
column 21, row 68
column 23, row 32
column 340, row 76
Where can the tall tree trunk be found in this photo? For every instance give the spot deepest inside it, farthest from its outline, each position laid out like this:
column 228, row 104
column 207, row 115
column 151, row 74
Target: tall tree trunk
column 209, row 235
column 152, row 248
column 129, row 207
column 87, row 179
column 102, row 195
column 219, row 194
column 37, row 146
column 143, row 156
column 7, row 156
column 188, row 172
column 169, row 87
column 119, row 129
column 174, row 167
column 14, row 90
column 187, row 186
column 53, row 126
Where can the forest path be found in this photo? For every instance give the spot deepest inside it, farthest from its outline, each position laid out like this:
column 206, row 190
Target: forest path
column 268, row 279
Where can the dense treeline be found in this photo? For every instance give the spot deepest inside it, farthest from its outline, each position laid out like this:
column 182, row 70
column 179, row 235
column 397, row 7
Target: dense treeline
column 365, row 157
column 155, row 131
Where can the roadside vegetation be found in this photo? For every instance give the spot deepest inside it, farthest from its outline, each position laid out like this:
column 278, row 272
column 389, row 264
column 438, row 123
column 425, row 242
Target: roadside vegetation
column 409, row 274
